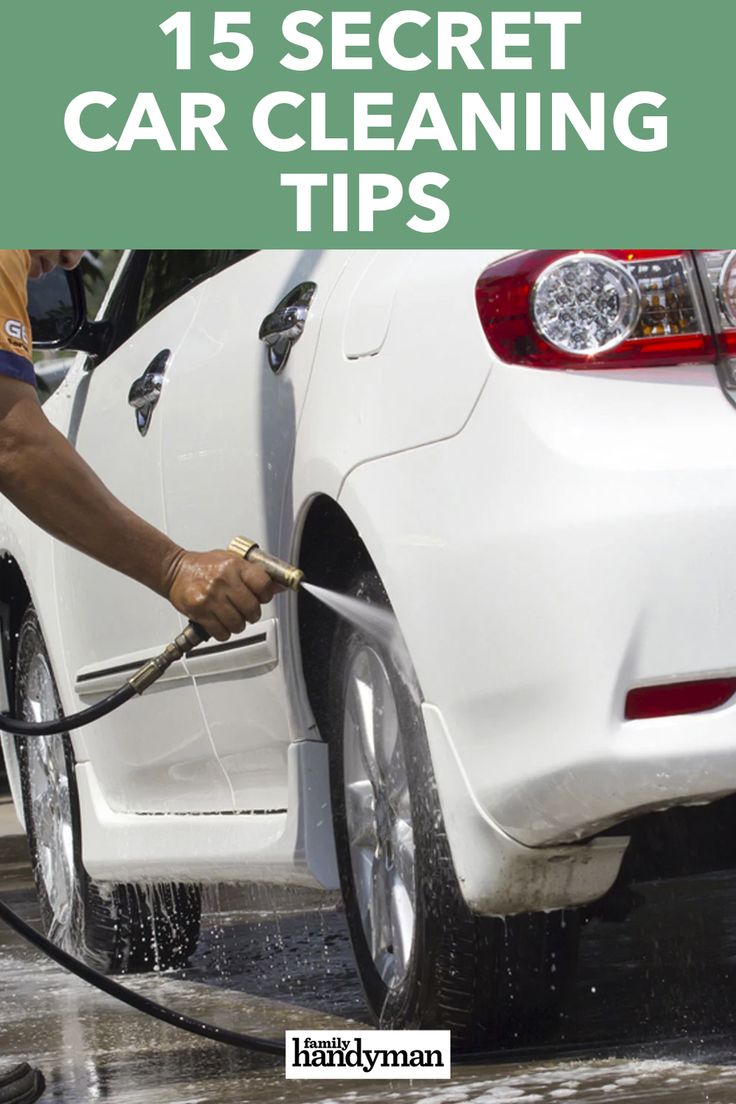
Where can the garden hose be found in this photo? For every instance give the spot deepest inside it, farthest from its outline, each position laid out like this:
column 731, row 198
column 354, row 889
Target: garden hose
column 286, row 575
column 283, row 573
column 130, row 997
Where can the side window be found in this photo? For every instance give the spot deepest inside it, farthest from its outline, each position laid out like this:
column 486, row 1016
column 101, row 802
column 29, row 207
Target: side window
column 154, row 278
column 170, row 273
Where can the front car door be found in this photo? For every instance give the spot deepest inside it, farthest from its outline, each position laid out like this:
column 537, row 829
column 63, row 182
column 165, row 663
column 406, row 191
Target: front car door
column 157, row 754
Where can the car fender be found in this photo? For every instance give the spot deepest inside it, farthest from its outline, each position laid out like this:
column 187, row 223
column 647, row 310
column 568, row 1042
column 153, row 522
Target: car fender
column 497, row 875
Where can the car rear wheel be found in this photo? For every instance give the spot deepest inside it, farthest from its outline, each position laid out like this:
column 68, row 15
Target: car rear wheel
column 424, row 959
column 115, row 928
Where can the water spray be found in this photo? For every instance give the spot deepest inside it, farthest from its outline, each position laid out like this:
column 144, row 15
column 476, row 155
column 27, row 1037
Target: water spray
column 285, row 574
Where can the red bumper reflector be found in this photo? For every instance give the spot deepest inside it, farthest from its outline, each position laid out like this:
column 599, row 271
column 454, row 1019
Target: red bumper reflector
column 678, row 697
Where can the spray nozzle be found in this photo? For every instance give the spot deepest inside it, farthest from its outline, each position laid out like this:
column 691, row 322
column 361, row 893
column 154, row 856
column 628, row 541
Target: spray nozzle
column 281, row 572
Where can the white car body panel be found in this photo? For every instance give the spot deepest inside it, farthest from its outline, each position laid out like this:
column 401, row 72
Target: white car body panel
column 599, row 578
column 422, row 386
column 513, row 515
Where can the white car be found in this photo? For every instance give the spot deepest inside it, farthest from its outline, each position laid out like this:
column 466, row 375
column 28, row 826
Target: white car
column 532, row 458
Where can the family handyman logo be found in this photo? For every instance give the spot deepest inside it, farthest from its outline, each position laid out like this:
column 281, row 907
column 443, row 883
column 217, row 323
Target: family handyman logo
column 368, row 1054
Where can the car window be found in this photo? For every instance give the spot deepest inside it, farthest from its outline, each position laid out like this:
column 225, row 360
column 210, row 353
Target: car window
column 172, row 272
column 154, row 278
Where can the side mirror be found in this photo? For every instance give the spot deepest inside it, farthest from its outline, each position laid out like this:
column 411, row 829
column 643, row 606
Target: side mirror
column 57, row 308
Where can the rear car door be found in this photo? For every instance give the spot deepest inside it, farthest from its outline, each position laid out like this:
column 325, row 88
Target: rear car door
column 231, row 413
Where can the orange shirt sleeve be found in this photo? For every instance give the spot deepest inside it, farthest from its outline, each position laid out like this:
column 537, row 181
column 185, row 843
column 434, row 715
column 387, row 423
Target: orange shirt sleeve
column 16, row 360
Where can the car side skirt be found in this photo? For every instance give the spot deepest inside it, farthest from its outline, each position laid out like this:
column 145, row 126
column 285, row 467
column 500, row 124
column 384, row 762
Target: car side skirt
column 294, row 847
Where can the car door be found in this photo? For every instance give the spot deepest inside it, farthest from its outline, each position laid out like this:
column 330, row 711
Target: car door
column 229, row 424
column 156, row 755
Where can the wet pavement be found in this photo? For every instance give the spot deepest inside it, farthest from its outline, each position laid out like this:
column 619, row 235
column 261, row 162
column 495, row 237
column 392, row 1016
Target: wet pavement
column 651, row 1017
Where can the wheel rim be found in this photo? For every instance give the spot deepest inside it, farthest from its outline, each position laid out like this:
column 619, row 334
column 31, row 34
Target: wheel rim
column 50, row 802
column 379, row 816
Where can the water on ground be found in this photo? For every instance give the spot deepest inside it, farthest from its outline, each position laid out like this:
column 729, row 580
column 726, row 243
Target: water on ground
column 651, row 1017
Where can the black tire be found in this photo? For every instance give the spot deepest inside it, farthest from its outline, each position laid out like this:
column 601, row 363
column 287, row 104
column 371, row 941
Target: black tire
column 114, row 928
column 487, row 979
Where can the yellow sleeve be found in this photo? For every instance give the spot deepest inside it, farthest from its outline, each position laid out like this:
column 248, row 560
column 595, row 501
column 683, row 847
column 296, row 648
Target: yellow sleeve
column 16, row 360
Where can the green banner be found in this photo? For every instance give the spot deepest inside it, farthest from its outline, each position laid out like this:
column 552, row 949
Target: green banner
column 143, row 124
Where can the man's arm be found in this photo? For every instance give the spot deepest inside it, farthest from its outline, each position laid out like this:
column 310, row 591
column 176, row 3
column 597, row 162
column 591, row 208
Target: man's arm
column 49, row 481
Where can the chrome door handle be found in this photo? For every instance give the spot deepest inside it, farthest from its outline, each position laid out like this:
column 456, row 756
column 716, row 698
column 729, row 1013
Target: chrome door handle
column 146, row 390
column 283, row 328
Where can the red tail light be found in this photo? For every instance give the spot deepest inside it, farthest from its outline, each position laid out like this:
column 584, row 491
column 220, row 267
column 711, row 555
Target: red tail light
column 601, row 309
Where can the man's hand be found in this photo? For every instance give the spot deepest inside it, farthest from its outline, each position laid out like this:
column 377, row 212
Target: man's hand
column 218, row 590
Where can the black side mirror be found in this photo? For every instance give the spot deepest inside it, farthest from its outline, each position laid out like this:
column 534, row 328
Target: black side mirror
column 57, row 308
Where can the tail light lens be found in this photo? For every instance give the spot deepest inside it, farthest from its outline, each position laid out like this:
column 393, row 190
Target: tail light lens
column 597, row 309
column 585, row 304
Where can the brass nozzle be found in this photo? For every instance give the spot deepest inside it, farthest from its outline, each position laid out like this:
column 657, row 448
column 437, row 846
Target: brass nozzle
column 281, row 572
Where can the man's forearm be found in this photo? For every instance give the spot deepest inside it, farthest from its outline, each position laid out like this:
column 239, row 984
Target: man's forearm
column 48, row 481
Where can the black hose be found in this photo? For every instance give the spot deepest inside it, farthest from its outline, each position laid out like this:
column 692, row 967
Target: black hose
column 62, row 725
column 145, row 676
column 135, row 1000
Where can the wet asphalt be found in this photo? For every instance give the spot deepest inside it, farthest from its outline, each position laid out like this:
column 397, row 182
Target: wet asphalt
column 650, row 1019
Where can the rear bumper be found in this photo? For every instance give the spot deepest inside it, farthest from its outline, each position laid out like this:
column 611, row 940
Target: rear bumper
column 576, row 539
